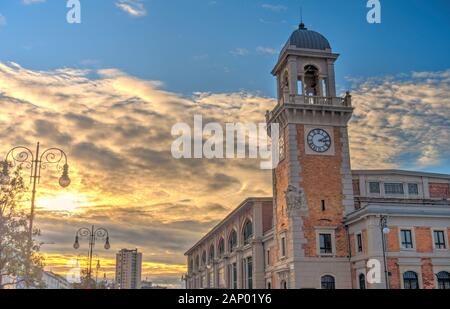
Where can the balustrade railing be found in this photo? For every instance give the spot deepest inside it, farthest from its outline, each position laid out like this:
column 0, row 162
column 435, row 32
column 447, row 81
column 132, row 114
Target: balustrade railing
column 317, row 100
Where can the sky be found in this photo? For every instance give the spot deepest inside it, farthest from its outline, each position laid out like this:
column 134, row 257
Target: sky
column 109, row 90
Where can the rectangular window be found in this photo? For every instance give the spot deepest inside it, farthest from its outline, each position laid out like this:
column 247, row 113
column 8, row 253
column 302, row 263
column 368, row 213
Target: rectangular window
column 439, row 240
column 374, row 188
column 221, row 278
column 268, row 257
column 359, row 243
column 203, row 282
column 326, row 244
column 300, row 87
column 211, row 280
column 394, row 189
column 407, row 240
column 283, row 246
column 249, row 273
column 413, row 189
column 234, row 267
column 324, row 88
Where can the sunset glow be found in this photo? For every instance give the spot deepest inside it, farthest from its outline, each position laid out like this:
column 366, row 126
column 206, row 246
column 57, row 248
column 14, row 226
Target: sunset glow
column 68, row 202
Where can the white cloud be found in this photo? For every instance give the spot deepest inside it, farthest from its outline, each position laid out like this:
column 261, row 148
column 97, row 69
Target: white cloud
column 274, row 8
column 266, row 50
column 401, row 122
column 133, row 8
column 239, row 52
column 28, row 2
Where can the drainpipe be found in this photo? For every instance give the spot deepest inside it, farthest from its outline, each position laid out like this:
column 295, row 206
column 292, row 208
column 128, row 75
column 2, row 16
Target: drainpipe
column 349, row 253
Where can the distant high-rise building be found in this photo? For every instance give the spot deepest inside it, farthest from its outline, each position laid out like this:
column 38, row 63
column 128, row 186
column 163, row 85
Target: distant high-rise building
column 128, row 269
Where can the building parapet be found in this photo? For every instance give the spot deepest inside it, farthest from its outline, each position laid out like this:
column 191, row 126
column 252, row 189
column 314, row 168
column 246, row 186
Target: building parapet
column 403, row 210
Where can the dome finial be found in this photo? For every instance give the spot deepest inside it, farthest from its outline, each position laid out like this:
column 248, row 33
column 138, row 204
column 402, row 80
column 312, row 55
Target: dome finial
column 302, row 25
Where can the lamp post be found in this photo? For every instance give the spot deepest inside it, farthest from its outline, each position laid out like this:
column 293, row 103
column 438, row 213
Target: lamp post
column 385, row 231
column 92, row 235
column 24, row 157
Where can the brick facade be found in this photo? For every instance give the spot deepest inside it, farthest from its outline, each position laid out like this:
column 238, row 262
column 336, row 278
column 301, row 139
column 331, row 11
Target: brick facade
column 424, row 240
column 428, row 277
column 267, row 215
column 394, row 270
column 439, row 190
column 325, row 171
column 393, row 242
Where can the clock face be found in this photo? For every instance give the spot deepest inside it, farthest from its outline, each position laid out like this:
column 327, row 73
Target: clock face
column 319, row 140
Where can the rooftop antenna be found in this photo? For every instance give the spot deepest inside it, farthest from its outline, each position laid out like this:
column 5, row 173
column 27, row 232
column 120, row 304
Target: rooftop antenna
column 301, row 14
column 302, row 25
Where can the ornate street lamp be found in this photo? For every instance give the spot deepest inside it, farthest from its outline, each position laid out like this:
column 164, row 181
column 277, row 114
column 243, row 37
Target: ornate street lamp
column 385, row 231
column 92, row 235
column 24, row 157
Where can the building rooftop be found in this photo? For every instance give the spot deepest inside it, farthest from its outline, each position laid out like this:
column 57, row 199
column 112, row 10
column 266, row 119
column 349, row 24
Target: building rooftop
column 399, row 172
column 224, row 221
column 307, row 39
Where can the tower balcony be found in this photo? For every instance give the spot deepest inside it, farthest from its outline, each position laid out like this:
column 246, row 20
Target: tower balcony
column 310, row 109
column 317, row 100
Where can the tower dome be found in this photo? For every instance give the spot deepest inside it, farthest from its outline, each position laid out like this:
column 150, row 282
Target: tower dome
column 307, row 39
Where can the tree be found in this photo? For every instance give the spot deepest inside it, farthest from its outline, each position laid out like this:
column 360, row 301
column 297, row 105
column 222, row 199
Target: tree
column 20, row 261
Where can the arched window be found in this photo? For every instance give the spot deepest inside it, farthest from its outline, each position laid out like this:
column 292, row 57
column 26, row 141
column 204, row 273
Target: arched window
column 221, row 247
column 269, row 285
column 410, row 281
column 204, row 258
column 311, row 80
column 362, row 282
column 443, row 280
column 328, row 283
column 197, row 262
column 212, row 254
column 283, row 285
column 191, row 265
column 232, row 241
column 248, row 232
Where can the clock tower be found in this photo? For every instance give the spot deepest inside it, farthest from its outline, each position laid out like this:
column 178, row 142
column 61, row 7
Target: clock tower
column 313, row 183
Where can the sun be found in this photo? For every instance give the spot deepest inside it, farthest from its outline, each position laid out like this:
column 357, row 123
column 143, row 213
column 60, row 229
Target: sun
column 69, row 202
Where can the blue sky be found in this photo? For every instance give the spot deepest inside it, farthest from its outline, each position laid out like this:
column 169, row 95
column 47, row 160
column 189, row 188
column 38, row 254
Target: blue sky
column 189, row 45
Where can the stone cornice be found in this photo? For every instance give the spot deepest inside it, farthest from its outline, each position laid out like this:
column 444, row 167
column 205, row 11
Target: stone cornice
column 298, row 52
